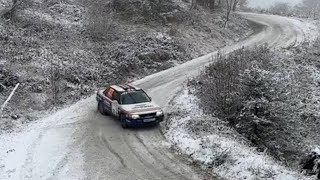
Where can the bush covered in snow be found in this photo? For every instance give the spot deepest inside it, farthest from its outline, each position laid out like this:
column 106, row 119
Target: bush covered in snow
column 214, row 145
column 61, row 51
column 151, row 11
column 270, row 97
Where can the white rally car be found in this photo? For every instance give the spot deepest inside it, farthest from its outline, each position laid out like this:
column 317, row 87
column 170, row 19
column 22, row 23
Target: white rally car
column 130, row 104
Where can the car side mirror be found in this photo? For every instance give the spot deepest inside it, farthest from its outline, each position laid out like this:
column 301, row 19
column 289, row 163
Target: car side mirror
column 150, row 98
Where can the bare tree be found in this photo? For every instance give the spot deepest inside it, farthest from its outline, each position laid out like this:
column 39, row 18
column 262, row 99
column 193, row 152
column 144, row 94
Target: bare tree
column 9, row 98
column 238, row 3
column 308, row 8
column 193, row 4
column 311, row 8
column 242, row 3
column 100, row 24
column 10, row 13
column 235, row 4
column 211, row 4
column 229, row 6
column 219, row 3
column 280, row 8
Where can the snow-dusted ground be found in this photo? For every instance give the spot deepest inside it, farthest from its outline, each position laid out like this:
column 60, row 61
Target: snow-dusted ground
column 305, row 29
column 217, row 146
column 309, row 28
column 209, row 141
column 59, row 33
column 78, row 139
column 43, row 149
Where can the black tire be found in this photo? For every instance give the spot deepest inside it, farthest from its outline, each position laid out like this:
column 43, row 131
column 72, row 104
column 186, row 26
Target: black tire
column 123, row 121
column 101, row 109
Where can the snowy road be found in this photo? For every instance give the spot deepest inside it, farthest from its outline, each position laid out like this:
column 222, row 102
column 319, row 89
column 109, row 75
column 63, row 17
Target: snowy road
column 79, row 143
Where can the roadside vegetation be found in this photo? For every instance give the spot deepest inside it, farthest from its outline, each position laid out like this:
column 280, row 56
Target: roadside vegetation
column 62, row 51
column 268, row 96
column 305, row 9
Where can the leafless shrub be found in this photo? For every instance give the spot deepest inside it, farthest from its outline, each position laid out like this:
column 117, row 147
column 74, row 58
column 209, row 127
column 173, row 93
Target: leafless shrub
column 54, row 82
column 149, row 11
column 280, row 8
column 267, row 96
column 173, row 31
column 223, row 90
column 100, row 21
column 8, row 14
column 262, row 173
column 16, row 5
column 221, row 158
column 240, row 89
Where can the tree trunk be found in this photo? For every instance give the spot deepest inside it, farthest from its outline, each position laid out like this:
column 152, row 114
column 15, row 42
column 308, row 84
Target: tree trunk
column 234, row 6
column 229, row 8
column 9, row 14
column 9, row 98
column 193, row 4
column 212, row 4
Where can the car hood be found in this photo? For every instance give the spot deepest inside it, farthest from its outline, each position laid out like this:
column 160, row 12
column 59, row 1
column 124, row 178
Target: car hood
column 141, row 108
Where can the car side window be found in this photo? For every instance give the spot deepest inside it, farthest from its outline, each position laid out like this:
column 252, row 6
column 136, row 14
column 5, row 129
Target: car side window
column 115, row 96
column 105, row 92
column 109, row 92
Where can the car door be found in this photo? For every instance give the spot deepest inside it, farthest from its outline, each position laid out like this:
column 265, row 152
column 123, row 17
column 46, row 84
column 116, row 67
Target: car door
column 115, row 103
column 107, row 100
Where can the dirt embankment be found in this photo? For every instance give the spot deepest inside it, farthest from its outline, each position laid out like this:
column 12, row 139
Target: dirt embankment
column 61, row 51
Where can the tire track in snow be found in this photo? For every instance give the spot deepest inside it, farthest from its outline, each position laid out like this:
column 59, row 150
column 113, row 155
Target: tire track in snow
column 102, row 154
column 63, row 162
column 145, row 163
column 158, row 159
column 109, row 147
column 26, row 170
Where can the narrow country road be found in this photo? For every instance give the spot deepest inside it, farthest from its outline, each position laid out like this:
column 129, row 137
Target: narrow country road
column 79, row 143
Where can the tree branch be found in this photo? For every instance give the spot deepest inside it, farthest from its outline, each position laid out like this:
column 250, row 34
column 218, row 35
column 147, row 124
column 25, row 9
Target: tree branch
column 10, row 96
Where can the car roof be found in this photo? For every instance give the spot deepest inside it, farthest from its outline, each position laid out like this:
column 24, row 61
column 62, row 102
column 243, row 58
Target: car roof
column 124, row 87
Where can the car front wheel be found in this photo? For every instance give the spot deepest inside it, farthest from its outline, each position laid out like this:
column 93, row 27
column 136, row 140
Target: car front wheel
column 101, row 109
column 123, row 121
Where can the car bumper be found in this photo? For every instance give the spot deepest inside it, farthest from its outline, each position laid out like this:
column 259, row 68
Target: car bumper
column 143, row 122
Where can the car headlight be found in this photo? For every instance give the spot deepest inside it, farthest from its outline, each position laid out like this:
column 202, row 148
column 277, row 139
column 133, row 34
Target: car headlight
column 134, row 116
column 159, row 113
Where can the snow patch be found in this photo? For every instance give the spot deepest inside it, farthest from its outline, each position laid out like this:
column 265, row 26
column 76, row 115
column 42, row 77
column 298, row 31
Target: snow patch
column 316, row 150
column 308, row 27
column 224, row 151
column 48, row 148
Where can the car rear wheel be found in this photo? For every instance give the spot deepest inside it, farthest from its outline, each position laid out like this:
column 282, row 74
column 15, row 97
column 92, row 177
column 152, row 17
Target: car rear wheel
column 101, row 109
column 123, row 121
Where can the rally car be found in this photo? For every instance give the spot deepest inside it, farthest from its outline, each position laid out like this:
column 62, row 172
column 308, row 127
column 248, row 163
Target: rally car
column 130, row 104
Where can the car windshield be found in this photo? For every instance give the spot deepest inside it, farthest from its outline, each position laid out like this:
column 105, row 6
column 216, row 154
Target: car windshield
column 134, row 97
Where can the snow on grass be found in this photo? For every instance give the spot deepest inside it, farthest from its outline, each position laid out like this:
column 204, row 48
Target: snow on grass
column 61, row 20
column 4, row 3
column 222, row 149
column 308, row 28
column 316, row 150
column 46, row 149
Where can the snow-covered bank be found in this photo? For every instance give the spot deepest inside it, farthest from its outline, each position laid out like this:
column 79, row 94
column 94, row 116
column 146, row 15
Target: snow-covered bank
column 309, row 28
column 46, row 149
column 209, row 141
